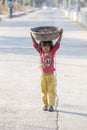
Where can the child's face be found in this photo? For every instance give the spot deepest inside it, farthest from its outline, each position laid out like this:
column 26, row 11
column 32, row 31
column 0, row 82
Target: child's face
column 46, row 47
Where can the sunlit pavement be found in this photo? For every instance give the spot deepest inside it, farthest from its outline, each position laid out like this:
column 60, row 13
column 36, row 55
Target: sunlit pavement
column 20, row 99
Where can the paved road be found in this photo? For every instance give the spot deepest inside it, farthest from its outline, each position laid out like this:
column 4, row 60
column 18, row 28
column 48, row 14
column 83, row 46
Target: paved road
column 20, row 99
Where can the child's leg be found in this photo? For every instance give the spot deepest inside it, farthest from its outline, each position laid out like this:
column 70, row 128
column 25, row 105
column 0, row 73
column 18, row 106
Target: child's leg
column 44, row 91
column 51, row 89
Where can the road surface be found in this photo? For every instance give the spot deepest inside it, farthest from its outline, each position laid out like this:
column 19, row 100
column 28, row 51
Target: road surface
column 20, row 99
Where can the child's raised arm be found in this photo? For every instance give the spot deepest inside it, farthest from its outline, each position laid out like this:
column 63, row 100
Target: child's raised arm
column 60, row 37
column 33, row 39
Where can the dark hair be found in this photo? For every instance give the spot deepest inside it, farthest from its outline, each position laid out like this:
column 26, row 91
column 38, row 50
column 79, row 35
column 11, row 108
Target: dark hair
column 44, row 43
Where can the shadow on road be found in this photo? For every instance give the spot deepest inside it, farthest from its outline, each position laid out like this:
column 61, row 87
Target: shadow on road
column 23, row 45
column 73, row 113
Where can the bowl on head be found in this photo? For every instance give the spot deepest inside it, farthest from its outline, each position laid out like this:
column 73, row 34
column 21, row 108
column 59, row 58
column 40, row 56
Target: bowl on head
column 45, row 33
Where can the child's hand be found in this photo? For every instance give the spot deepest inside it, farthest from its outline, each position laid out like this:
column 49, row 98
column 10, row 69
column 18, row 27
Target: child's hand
column 61, row 31
column 60, row 36
column 33, row 39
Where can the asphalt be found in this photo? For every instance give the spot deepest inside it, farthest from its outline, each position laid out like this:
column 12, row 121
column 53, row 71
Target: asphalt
column 20, row 98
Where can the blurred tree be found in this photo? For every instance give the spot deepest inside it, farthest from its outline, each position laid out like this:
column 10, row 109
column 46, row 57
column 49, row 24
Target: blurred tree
column 39, row 3
column 2, row 2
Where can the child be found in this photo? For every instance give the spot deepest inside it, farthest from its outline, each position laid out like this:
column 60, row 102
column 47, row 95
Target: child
column 46, row 50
